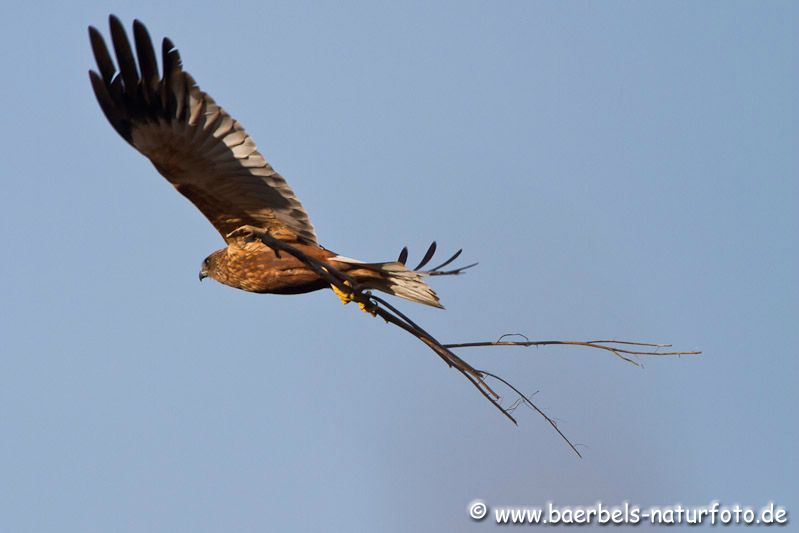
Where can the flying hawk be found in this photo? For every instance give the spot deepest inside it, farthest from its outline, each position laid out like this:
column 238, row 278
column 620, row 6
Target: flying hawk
column 212, row 161
column 271, row 243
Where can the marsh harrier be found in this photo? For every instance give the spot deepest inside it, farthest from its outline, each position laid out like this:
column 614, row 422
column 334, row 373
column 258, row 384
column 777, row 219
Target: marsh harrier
column 271, row 243
column 212, row 161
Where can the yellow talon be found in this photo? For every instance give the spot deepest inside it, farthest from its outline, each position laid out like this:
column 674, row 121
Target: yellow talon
column 366, row 309
column 345, row 297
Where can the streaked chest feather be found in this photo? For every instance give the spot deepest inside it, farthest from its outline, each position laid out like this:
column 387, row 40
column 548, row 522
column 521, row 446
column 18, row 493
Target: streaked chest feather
column 258, row 269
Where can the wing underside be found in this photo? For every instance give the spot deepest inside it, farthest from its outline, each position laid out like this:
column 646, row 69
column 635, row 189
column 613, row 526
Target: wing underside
column 192, row 141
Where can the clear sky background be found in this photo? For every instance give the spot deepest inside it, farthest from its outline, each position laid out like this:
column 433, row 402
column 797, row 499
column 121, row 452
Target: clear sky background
column 620, row 170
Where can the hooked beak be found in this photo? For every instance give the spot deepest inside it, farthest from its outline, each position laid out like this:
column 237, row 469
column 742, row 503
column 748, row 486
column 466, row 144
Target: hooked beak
column 203, row 274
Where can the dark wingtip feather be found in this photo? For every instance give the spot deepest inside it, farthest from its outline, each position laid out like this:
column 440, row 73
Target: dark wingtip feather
column 448, row 261
column 124, row 53
column 403, row 256
column 170, row 54
column 101, row 55
column 427, row 256
column 176, row 86
column 119, row 123
column 147, row 61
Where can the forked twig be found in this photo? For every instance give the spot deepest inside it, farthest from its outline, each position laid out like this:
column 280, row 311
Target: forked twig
column 377, row 306
column 602, row 345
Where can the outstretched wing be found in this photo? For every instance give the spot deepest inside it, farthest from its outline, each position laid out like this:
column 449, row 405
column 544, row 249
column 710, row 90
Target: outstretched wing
column 193, row 142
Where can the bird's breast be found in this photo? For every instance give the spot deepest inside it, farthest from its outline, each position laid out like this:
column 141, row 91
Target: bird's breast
column 259, row 269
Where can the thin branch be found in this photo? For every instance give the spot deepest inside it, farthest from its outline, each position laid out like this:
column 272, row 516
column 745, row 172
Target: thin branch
column 534, row 406
column 602, row 345
column 377, row 306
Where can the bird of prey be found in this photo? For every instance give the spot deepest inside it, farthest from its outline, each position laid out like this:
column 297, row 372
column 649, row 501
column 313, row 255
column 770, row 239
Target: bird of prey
column 211, row 160
column 271, row 243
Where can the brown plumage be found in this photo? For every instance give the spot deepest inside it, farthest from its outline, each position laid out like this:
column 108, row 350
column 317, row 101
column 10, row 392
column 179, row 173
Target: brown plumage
column 254, row 267
column 213, row 162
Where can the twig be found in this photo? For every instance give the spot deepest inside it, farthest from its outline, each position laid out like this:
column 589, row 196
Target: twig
column 602, row 345
column 377, row 306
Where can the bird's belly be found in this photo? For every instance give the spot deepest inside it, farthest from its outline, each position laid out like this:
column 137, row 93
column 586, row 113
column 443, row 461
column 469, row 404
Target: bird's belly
column 290, row 281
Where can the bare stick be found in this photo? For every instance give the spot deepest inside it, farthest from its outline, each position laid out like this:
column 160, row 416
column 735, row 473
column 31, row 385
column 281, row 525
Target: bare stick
column 377, row 306
column 529, row 402
column 602, row 345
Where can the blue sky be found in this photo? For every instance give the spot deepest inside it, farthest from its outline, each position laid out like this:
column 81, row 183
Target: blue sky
column 623, row 170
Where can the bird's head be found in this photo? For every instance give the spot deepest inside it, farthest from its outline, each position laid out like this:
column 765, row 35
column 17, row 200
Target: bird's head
column 205, row 267
column 208, row 267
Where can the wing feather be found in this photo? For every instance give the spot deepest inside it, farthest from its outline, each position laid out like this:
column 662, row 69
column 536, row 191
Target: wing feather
column 125, row 59
column 204, row 152
column 104, row 62
column 147, row 62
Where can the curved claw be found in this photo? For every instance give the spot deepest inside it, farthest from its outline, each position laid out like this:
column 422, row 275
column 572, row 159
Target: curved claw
column 345, row 297
column 349, row 296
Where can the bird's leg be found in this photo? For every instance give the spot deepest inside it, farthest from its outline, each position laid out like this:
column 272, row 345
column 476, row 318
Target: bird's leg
column 366, row 305
column 345, row 297
column 248, row 232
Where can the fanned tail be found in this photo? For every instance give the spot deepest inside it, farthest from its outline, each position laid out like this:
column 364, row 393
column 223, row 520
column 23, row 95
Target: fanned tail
column 407, row 284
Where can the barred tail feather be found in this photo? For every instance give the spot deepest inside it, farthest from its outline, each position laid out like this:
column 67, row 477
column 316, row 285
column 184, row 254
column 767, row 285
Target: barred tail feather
column 407, row 284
